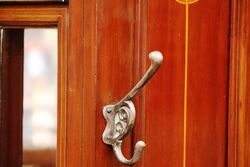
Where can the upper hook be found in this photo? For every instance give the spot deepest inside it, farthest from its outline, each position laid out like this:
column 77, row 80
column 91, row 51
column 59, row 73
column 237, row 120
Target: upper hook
column 156, row 59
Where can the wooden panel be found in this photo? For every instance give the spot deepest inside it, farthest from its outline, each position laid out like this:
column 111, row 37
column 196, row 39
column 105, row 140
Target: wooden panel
column 114, row 66
column 239, row 97
column 208, row 83
column 89, row 84
column 164, row 93
column 42, row 157
column 138, row 72
column 102, row 65
column 207, row 46
column 75, row 85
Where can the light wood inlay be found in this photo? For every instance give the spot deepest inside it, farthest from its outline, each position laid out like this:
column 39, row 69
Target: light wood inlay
column 187, row 1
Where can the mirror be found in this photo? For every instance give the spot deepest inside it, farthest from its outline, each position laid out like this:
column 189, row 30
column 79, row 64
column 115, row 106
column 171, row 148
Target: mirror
column 40, row 97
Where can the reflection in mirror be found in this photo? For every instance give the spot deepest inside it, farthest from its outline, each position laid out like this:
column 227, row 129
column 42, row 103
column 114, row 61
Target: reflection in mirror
column 40, row 98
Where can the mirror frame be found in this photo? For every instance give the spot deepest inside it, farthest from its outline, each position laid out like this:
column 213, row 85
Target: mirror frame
column 30, row 17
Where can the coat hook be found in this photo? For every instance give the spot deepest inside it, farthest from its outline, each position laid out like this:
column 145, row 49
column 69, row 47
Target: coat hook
column 120, row 117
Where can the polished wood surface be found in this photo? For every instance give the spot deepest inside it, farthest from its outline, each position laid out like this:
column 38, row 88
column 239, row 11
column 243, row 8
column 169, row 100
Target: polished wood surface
column 160, row 105
column 208, row 83
column 89, row 102
column 114, row 67
column 45, row 158
column 103, row 52
column 75, row 79
column 163, row 97
column 107, row 71
column 239, row 108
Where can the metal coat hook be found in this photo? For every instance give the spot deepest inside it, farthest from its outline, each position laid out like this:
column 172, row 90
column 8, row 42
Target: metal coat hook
column 120, row 117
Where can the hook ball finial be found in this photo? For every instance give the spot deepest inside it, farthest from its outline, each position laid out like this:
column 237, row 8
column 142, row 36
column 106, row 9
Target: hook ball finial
column 140, row 144
column 156, row 56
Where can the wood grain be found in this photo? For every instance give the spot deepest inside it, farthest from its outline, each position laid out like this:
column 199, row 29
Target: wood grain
column 207, row 100
column 104, row 50
column 138, row 71
column 44, row 158
column 164, row 93
column 114, row 67
column 239, row 109
column 89, row 84
column 208, row 83
column 75, row 85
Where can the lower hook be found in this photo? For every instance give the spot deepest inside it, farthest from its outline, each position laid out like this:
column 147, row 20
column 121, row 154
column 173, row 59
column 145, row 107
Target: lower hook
column 137, row 152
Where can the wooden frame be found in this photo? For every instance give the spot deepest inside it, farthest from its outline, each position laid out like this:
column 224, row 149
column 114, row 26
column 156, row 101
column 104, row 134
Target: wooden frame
column 46, row 16
column 33, row 1
column 11, row 96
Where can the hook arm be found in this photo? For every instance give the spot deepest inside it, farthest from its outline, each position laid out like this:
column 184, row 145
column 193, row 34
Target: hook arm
column 156, row 59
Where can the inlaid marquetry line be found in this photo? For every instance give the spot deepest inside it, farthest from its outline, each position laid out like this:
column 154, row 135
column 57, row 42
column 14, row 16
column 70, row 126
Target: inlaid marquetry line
column 185, row 86
column 186, row 2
